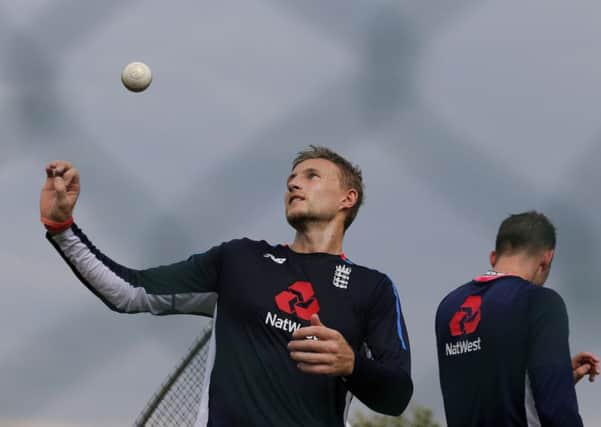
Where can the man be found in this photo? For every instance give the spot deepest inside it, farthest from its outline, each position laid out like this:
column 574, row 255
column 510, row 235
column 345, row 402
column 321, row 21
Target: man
column 502, row 338
column 294, row 325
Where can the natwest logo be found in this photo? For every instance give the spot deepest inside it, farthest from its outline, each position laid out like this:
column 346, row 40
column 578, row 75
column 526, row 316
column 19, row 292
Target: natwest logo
column 298, row 299
column 467, row 319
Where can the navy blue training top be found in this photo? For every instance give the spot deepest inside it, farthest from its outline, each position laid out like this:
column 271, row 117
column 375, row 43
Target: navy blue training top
column 503, row 355
column 263, row 293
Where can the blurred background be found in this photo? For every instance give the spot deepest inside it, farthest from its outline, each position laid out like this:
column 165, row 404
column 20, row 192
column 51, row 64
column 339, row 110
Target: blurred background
column 459, row 113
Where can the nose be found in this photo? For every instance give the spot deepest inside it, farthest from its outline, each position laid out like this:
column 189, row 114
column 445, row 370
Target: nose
column 293, row 184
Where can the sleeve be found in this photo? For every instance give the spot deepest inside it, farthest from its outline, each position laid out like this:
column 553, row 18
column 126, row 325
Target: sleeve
column 186, row 287
column 381, row 378
column 549, row 365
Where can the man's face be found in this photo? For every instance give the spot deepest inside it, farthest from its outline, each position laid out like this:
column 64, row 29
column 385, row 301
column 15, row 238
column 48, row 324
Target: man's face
column 314, row 193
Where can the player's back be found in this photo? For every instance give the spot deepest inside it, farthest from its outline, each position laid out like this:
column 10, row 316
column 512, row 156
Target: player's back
column 484, row 333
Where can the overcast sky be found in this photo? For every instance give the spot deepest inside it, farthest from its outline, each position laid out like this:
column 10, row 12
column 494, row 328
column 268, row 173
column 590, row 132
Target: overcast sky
column 458, row 115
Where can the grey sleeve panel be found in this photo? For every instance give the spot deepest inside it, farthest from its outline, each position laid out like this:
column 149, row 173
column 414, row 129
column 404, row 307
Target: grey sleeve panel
column 187, row 287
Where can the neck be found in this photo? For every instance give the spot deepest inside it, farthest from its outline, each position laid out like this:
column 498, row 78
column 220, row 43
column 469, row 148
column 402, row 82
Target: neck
column 318, row 237
column 517, row 265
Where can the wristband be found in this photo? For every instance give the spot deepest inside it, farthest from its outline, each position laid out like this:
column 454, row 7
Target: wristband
column 56, row 227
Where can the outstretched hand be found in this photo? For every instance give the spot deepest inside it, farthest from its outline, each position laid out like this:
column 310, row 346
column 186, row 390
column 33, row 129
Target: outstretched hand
column 584, row 364
column 60, row 191
column 321, row 350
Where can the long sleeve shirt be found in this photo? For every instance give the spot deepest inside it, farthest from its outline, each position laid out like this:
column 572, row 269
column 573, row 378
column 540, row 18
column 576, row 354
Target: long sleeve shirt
column 262, row 294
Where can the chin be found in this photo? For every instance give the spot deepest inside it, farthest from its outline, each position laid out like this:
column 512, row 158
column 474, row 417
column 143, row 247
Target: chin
column 299, row 220
column 296, row 220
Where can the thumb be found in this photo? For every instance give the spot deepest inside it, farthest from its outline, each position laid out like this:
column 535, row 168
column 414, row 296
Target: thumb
column 581, row 372
column 60, row 188
column 315, row 321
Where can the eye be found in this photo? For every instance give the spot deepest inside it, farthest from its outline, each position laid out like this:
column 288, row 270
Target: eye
column 313, row 175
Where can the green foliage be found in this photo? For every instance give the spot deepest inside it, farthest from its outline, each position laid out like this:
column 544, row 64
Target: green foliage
column 420, row 417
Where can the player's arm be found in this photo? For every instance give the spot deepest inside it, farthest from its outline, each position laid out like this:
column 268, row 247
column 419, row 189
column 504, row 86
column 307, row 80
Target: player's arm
column 549, row 365
column 381, row 379
column 186, row 287
column 189, row 286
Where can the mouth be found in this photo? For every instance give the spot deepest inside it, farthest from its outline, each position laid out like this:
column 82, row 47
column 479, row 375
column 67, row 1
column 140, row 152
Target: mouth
column 295, row 198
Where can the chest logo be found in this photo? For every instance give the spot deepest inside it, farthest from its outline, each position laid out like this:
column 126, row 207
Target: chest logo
column 274, row 259
column 298, row 299
column 467, row 319
column 342, row 276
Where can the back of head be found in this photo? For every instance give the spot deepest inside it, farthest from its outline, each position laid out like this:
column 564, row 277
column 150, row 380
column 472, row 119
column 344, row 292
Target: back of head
column 530, row 232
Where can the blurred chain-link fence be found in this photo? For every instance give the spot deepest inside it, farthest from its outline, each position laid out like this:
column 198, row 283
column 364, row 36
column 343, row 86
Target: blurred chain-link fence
column 177, row 401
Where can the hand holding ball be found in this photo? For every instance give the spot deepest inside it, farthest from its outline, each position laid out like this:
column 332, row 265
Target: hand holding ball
column 136, row 76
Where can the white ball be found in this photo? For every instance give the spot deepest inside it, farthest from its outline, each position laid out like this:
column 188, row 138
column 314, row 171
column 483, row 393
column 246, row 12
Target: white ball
column 136, row 76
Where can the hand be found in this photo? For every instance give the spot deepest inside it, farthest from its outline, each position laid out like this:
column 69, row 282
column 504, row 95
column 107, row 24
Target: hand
column 321, row 350
column 583, row 364
column 60, row 191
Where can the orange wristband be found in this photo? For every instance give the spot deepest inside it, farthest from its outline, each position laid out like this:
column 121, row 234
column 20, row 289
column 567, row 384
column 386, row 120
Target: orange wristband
column 56, row 227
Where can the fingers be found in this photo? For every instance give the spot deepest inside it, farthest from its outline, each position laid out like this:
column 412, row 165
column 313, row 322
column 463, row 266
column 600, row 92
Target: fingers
column 585, row 356
column 63, row 177
column 71, row 177
column 316, row 321
column 580, row 359
column 581, row 372
column 58, row 167
column 313, row 358
column 321, row 332
column 595, row 370
column 60, row 188
column 588, row 355
column 338, row 362
column 316, row 346
column 586, row 363
column 316, row 330
column 321, row 350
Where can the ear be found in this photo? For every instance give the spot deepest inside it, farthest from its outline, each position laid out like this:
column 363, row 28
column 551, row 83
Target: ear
column 350, row 199
column 493, row 258
column 547, row 259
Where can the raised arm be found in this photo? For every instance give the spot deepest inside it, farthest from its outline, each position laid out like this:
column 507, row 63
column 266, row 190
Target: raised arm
column 187, row 287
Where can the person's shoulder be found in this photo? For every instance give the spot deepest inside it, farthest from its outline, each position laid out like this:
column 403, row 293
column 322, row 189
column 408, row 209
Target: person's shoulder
column 514, row 287
column 464, row 288
column 245, row 244
column 240, row 247
column 503, row 284
column 376, row 287
column 458, row 292
column 547, row 310
column 547, row 297
column 544, row 292
column 370, row 275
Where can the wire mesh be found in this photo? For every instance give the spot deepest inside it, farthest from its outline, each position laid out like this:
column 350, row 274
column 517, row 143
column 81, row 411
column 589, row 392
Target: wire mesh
column 177, row 401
